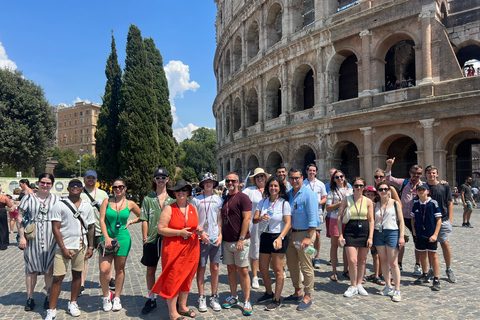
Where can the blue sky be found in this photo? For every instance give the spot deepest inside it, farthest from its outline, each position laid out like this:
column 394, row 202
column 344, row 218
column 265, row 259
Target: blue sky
column 63, row 46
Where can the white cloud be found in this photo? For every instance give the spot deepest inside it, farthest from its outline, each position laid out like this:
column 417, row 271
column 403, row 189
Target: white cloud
column 80, row 100
column 184, row 133
column 6, row 63
column 178, row 76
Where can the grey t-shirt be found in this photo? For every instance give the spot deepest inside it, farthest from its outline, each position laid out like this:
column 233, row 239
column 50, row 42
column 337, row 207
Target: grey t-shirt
column 441, row 193
column 468, row 191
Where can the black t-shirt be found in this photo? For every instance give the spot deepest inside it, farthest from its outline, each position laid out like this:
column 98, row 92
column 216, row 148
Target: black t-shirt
column 468, row 191
column 232, row 223
column 441, row 193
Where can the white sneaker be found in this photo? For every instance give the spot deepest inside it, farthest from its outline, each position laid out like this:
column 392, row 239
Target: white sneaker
column 255, row 284
column 361, row 290
column 202, row 303
column 387, row 290
column 417, row 270
column 351, row 291
column 107, row 302
column 72, row 308
column 117, row 305
column 215, row 303
column 51, row 314
column 397, row 297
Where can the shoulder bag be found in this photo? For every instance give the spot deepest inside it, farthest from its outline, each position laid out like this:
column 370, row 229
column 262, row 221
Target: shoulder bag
column 347, row 213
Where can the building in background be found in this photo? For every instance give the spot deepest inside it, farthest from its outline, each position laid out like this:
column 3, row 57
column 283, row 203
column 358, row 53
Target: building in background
column 76, row 127
column 347, row 84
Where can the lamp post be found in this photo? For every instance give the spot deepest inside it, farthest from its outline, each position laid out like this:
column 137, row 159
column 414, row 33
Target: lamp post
column 80, row 162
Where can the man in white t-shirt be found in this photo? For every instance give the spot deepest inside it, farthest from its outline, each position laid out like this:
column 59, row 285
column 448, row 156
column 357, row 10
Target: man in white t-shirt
column 318, row 188
column 208, row 207
column 73, row 226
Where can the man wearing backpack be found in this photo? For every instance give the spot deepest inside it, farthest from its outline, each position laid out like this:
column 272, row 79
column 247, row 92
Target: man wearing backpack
column 407, row 194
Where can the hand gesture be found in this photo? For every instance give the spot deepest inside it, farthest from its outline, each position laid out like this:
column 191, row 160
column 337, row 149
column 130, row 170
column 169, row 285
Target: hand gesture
column 390, row 161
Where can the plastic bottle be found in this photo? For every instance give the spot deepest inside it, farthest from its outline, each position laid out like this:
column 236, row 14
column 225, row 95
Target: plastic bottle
column 233, row 246
column 311, row 251
column 263, row 225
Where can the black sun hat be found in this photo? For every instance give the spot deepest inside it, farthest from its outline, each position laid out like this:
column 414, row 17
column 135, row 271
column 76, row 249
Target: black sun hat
column 179, row 185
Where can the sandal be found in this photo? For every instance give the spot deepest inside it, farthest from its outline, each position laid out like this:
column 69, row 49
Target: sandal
column 379, row 281
column 334, row 277
column 371, row 277
column 364, row 280
column 189, row 313
column 346, row 275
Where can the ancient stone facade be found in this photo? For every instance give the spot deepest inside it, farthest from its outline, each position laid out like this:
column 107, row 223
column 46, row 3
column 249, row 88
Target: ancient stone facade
column 347, row 84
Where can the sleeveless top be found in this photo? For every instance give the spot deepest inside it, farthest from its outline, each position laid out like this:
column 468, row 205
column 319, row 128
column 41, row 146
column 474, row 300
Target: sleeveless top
column 361, row 214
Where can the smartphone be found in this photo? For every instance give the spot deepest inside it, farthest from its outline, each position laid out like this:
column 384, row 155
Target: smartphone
column 114, row 243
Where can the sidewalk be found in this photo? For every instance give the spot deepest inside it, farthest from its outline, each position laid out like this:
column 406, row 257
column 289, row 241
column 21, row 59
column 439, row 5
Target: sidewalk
column 454, row 301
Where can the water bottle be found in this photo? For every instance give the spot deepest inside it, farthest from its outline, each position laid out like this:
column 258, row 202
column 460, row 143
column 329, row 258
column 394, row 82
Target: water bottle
column 263, row 226
column 233, row 246
column 311, row 251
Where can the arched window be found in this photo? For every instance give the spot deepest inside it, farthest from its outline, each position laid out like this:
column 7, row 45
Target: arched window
column 348, row 79
column 237, row 53
column 400, row 65
column 253, row 40
column 274, row 99
column 274, row 25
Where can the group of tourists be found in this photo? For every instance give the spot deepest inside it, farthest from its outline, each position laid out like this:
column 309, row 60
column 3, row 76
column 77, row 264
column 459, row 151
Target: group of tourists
column 273, row 224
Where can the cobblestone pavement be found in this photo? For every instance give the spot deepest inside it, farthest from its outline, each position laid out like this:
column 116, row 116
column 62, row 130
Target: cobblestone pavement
column 454, row 301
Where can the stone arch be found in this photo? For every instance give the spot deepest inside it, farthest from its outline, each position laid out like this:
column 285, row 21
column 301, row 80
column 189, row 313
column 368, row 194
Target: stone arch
column 274, row 23
column 251, row 105
column 237, row 53
column 346, row 154
column 274, row 160
column 227, row 120
column 404, row 148
column 238, row 168
column 346, row 85
column 303, row 87
column 273, row 99
column 237, row 114
column 253, row 40
column 304, row 154
column 252, row 163
column 227, row 65
column 468, row 50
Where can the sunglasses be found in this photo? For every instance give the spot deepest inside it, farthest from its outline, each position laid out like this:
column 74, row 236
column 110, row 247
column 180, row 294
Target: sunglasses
column 415, row 173
column 358, row 185
column 121, row 187
column 184, row 189
column 339, row 177
column 161, row 178
column 379, row 177
column 230, row 181
column 75, row 184
column 260, row 176
column 383, row 189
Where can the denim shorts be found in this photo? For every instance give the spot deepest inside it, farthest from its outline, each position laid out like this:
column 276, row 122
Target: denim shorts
column 386, row 238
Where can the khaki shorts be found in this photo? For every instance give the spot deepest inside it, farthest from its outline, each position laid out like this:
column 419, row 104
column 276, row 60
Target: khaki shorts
column 60, row 264
column 232, row 256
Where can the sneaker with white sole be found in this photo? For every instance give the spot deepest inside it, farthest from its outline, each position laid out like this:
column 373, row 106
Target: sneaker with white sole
column 451, row 276
column 397, row 297
column 247, row 308
column 202, row 303
column 386, row 291
column 51, row 314
column 215, row 303
column 417, row 270
column 351, row 291
column 117, row 305
column 72, row 308
column 229, row 302
column 107, row 302
column 255, row 284
column 361, row 290
column 430, row 275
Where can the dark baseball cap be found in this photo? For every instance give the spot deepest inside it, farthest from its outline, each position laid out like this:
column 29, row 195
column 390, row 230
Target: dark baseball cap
column 160, row 171
column 422, row 185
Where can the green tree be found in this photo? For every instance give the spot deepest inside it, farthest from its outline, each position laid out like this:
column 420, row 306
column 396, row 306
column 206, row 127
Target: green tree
column 198, row 152
column 67, row 166
column 27, row 126
column 107, row 135
column 138, row 120
column 166, row 152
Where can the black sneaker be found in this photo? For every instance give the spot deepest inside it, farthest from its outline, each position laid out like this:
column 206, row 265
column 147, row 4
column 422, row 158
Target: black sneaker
column 30, row 305
column 422, row 279
column 46, row 303
column 273, row 305
column 265, row 297
column 469, row 225
column 82, row 290
column 149, row 306
column 436, row 285
column 111, row 284
column 464, row 224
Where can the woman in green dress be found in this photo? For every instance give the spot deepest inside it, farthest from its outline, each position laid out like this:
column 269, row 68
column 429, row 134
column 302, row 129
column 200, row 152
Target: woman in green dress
column 114, row 214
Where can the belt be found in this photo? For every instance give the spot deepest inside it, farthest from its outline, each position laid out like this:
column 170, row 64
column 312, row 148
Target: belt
column 444, row 219
column 295, row 230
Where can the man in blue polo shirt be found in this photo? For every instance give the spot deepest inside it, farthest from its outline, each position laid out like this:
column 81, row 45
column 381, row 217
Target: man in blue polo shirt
column 304, row 204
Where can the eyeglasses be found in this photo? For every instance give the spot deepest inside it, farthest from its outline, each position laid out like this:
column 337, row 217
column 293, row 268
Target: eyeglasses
column 43, row 183
column 295, row 178
column 184, row 189
column 415, row 173
column 121, row 187
column 161, row 178
column 383, row 189
column 230, row 181
column 75, row 184
column 379, row 177
column 358, row 185
column 339, row 177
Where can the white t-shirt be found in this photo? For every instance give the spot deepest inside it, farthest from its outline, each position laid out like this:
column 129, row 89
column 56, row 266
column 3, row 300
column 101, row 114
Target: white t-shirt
column 71, row 228
column 318, row 187
column 211, row 205
column 279, row 208
column 255, row 196
column 335, row 197
column 389, row 217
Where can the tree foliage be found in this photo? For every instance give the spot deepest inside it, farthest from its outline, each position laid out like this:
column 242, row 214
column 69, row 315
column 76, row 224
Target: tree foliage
column 197, row 154
column 68, row 165
column 27, row 126
column 107, row 135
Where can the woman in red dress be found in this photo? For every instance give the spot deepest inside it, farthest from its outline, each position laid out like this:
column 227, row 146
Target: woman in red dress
column 180, row 251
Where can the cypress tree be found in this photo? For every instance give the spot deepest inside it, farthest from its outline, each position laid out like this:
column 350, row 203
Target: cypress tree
column 107, row 136
column 138, row 155
column 166, row 141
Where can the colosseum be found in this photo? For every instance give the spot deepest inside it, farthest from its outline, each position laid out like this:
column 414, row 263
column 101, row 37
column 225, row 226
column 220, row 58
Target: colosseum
column 347, row 84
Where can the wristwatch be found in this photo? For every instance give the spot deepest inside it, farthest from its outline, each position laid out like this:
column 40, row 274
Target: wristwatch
column 282, row 237
column 241, row 238
column 308, row 235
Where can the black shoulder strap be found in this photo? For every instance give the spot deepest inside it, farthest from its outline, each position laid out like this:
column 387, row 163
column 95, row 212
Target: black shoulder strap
column 76, row 214
column 403, row 186
column 91, row 198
